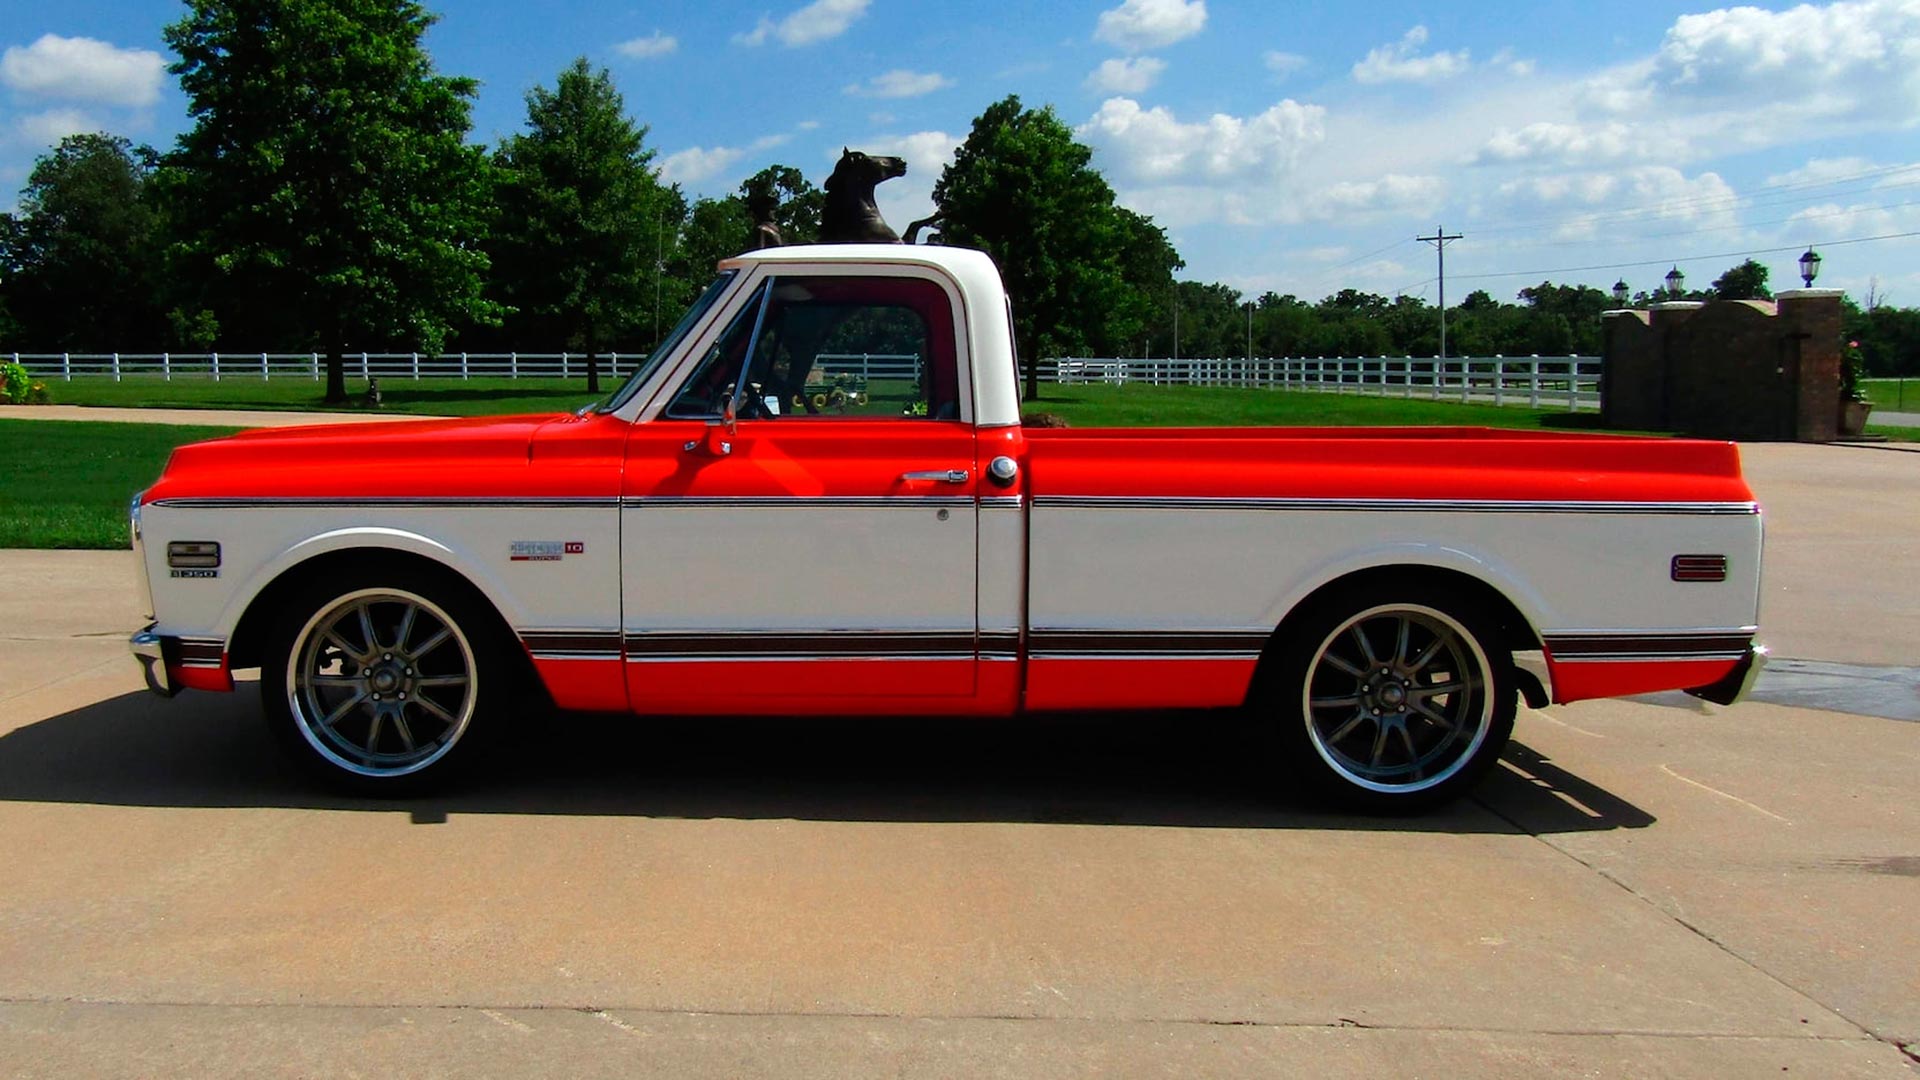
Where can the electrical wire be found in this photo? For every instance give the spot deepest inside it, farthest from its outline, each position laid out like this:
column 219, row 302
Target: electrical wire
column 1685, row 258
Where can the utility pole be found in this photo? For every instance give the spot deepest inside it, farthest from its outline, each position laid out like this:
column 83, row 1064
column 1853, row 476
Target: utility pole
column 1439, row 241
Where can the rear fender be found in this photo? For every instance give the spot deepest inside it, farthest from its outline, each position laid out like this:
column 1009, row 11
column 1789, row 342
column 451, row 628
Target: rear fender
column 1412, row 554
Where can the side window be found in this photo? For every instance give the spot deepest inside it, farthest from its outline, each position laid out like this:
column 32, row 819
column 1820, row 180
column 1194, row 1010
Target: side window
column 835, row 347
column 706, row 391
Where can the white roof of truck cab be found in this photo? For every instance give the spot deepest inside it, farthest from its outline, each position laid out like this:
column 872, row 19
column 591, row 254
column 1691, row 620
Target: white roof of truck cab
column 988, row 333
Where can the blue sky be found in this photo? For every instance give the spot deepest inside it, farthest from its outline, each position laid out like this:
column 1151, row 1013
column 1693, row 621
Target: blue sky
column 1298, row 149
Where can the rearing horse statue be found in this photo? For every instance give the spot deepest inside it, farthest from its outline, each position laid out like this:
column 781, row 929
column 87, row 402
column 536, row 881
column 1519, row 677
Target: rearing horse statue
column 850, row 215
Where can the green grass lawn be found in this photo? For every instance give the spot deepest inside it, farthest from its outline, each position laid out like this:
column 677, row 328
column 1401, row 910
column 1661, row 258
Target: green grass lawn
column 66, row 485
column 1227, row 406
column 430, row 397
column 1892, row 395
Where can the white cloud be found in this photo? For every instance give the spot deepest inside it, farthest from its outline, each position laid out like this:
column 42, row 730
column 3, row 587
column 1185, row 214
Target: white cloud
column 49, row 127
column 1823, row 170
column 1283, row 63
column 697, row 163
column 1570, row 144
column 1151, row 144
column 1399, row 63
column 900, row 83
column 83, row 69
column 1130, row 76
column 1138, row 25
column 818, row 21
column 646, row 48
column 1617, row 205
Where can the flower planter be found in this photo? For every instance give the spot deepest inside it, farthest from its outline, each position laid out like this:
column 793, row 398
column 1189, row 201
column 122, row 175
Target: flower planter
column 1853, row 418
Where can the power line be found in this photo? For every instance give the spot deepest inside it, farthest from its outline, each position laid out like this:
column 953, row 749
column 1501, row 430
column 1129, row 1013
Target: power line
column 1685, row 258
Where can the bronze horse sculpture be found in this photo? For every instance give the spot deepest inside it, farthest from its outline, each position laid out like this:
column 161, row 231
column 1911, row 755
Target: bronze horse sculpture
column 850, row 215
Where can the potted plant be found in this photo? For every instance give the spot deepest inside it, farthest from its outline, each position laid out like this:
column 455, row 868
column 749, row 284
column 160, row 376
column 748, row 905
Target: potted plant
column 1853, row 407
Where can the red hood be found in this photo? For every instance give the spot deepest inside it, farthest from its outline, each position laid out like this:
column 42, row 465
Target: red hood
column 487, row 456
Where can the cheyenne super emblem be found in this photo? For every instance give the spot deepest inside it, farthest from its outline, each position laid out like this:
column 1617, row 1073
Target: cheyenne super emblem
column 544, row 550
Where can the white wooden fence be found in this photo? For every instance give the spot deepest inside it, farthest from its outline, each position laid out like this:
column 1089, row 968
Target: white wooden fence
column 1535, row 381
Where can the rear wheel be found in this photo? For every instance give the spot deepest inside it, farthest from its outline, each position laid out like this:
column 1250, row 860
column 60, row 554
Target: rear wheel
column 1393, row 698
column 377, row 688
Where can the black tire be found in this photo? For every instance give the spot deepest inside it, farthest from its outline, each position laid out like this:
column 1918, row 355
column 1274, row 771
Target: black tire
column 1390, row 697
column 376, row 684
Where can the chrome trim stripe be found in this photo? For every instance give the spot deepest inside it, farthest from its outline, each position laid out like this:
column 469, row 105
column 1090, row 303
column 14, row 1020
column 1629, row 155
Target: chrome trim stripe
column 1640, row 646
column 1002, row 502
column 792, row 502
column 572, row 644
column 383, row 502
column 1243, row 657
column 1428, row 506
column 801, row 645
column 1059, row 644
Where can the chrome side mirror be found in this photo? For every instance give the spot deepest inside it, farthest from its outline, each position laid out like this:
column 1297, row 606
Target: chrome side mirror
column 729, row 416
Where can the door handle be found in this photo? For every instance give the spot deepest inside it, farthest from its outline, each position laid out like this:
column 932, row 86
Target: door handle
column 938, row 476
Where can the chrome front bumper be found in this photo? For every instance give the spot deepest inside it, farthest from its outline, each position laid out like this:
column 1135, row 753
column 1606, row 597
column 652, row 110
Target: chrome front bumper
column 147, row 649
column 1739, row 681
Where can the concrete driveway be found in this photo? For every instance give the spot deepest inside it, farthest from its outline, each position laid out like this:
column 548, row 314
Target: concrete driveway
column 1645, row 888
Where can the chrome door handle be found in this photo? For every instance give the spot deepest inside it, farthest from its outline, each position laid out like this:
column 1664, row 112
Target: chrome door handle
column 938, row 476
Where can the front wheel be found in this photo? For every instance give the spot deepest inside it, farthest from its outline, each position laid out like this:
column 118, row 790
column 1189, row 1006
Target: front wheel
column 1393, row 698
column 376, row 688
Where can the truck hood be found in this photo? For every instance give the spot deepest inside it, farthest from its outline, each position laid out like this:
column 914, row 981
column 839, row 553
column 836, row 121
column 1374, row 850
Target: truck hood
column 426, row 459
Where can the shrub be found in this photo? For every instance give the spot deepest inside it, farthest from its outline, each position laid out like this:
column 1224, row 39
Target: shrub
column 15, row 383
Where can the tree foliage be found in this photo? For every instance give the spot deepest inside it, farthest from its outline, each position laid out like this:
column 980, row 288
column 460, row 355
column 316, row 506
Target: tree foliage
column 325, row 192
column 1023, row 190
column 581, row 219
column 1747, row 281
column 77, row 265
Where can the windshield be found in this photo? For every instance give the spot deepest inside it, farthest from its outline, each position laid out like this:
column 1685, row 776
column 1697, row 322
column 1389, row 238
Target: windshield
column 667, row 344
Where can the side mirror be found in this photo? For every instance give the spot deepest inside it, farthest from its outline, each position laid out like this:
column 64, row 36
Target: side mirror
column 728, row 415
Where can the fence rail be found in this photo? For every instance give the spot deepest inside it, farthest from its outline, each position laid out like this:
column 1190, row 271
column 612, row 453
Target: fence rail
column 1535, row 381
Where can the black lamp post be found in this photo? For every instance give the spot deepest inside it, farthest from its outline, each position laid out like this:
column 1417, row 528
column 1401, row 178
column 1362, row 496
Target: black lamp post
column 1675, row 281
column 1809, row 267
column 1620, row 292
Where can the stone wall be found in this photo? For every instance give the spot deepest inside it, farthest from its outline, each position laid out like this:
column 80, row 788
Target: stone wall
column 1733, row 369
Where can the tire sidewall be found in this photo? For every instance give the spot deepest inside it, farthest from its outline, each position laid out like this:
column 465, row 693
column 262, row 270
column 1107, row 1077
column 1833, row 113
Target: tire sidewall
column 296, row 618
column 1281, row 705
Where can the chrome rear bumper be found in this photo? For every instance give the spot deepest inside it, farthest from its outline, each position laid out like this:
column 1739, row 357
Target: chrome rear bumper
column 1738, row 682
column 147, row 649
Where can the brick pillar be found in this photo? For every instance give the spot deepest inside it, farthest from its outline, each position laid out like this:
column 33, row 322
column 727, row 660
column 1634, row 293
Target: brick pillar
column 1812, row 317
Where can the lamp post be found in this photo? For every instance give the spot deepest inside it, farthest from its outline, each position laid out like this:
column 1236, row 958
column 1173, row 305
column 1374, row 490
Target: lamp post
column 1620, row 292
column 1809, row 267
column 1675, row 282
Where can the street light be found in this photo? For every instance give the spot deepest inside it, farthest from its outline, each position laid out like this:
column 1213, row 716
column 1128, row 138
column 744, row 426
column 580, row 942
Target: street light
column 1809, row 267
column 1675, row 279
column 1620, row 292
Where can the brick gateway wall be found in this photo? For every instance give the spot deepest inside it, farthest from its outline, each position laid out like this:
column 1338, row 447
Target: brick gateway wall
column 1755, row 370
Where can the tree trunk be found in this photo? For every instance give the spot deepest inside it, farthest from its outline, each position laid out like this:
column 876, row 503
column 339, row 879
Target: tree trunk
column 593, row 368
column 336, row 376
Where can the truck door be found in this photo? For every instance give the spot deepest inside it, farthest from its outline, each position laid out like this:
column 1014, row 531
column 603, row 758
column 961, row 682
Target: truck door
column 817, row 550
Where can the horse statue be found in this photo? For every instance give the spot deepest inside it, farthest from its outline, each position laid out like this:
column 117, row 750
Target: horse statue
column 850, row 216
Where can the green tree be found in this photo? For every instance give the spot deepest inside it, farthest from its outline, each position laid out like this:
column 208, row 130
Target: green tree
column 1024, row 191
column 79, row 263
column 325, row 192
column 575, row 249
column 799, row 203
column 1748, row 281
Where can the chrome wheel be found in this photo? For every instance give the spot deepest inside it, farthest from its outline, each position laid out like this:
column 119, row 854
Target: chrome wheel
column 381, row 682
column 1396, row 699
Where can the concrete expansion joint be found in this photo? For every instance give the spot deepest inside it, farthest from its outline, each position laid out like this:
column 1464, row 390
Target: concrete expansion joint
column 612, row 1013
column 1701, row 933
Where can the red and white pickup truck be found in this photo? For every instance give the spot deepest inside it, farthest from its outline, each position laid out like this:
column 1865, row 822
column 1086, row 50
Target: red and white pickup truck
column 830, row 533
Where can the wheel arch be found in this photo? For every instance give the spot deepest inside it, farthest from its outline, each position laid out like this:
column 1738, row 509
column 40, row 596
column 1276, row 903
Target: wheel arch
column 1517, row 633
column 361, row 561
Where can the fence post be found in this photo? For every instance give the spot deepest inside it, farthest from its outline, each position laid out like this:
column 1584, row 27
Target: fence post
column 416, row 367
column 463, row 363
column 66, row 366
column 216, row 365
column 1499, row 381
column 363, row 364
column 513, row 365
column 313, row 362
column 1533, row 387
column 1573, row 383
column 166, row 367
column 564, row 373
column 265, row 375
column 613, row 363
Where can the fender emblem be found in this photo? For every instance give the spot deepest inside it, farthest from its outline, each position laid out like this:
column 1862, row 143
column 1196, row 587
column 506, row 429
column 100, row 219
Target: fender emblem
column 544, row 550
